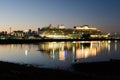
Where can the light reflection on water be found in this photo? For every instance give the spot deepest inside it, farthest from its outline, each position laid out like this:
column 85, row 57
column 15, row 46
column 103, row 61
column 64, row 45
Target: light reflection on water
column 83, row 49
column 60, row 54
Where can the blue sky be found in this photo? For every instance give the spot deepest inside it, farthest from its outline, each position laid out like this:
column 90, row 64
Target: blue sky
column 25, row 14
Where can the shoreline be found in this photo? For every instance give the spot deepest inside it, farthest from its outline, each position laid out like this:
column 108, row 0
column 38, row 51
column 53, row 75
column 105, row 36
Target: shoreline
column 107, row 70
column 21, row 41
column 13, row 71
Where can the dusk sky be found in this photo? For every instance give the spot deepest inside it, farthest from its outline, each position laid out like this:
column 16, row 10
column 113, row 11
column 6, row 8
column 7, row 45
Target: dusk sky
column 26, row 14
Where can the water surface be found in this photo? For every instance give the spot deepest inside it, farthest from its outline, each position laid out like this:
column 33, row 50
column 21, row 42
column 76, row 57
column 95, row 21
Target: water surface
column 60, row 54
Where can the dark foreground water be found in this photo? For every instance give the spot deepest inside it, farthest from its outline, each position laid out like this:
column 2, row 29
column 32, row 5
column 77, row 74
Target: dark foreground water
column 60, row 54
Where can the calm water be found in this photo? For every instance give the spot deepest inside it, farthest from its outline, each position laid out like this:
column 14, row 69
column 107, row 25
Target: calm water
column 60, row 54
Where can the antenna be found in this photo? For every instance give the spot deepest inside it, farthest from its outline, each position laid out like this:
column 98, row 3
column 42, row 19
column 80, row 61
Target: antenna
column 10, row 30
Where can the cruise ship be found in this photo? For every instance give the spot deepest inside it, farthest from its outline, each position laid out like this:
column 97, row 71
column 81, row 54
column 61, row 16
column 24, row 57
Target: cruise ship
column 77, row 32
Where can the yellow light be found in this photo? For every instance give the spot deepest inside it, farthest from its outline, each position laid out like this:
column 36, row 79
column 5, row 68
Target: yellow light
column 61, row 55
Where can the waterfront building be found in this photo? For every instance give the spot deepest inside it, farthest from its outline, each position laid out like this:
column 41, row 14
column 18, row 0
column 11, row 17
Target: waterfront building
column 18, row 34
column 38, row 31
column 3, row 35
